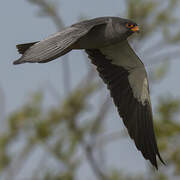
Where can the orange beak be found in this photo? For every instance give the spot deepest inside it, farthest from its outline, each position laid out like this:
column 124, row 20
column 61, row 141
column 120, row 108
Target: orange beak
column 135, row 29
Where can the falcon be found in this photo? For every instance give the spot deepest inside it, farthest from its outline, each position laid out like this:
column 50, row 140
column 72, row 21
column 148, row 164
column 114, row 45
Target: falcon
column 105, row 41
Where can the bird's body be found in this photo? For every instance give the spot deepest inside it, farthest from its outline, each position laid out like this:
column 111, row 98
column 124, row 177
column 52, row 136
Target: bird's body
column 107, row 34
column 105, row 41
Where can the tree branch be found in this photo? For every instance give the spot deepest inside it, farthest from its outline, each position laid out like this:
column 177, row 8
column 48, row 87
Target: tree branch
column 93, row 163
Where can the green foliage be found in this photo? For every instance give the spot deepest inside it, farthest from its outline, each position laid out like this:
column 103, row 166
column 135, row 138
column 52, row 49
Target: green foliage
column 167, row 130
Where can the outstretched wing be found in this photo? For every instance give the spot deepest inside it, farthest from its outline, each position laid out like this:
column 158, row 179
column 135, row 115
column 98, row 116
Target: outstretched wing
column 126, row 78
column 57, row 44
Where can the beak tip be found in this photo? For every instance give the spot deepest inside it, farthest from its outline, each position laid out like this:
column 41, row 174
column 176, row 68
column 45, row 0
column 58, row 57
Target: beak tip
column 136, row 29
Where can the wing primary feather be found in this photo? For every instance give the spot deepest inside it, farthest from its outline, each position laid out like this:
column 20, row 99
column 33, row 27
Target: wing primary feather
column 136, row 115
column 57, row 44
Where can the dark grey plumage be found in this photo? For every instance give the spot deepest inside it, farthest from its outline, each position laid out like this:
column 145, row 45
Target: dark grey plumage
column 78, row 36
column 105, row 41
column 136, row 117
column 57, row 44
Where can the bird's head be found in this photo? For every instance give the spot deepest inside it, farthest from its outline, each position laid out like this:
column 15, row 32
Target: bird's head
column 126, row 27
column 132, row 27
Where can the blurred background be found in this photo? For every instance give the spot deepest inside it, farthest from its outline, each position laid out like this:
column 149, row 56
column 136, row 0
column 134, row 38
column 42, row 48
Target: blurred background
column 58, row 121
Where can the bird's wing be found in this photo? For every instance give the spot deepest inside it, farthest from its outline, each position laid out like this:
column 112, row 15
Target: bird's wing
column 57, row 44
column 126, row 78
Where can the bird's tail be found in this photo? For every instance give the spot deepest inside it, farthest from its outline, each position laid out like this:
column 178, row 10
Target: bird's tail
column 22, row 48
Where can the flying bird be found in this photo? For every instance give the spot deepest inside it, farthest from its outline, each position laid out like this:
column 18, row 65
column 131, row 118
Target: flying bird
column 105, row 41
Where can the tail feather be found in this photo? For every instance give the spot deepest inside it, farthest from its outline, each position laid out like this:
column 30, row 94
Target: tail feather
column 22, row 48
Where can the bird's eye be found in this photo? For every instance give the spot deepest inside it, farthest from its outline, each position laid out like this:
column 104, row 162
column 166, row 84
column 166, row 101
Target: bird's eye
column 129, row 25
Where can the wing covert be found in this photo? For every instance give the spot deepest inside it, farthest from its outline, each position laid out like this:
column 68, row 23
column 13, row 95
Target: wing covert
column 55, row 45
